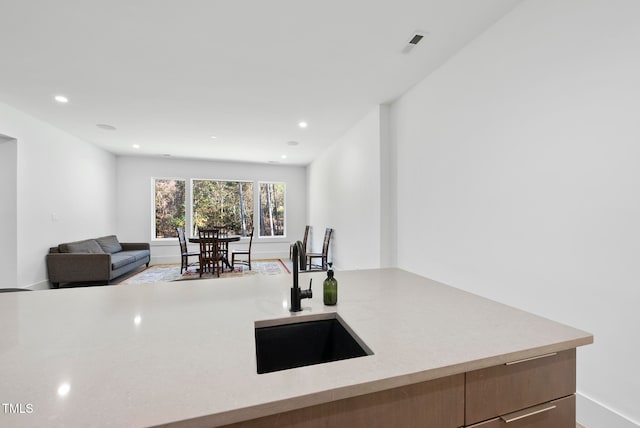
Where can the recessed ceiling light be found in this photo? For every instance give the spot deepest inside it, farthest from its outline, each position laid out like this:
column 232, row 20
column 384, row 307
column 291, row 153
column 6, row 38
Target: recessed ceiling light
column 64, row 389
column 136, row 146
column 302, row 124
column 292, row 143
column 213, row 137
column 106, row 127
column 283, row 156
column 61, row 99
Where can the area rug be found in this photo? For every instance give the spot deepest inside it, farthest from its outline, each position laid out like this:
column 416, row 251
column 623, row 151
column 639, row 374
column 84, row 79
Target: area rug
column 171, row 272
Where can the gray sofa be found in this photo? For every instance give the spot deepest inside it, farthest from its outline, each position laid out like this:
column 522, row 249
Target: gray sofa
column 97, row 260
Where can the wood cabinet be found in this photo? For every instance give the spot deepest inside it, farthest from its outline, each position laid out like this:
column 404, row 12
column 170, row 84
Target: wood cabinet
column 536, row 392
column 554, row 414
column 525, row 393
column 438, row 403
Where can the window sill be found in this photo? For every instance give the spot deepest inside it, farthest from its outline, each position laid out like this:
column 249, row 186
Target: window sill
column 271, row 239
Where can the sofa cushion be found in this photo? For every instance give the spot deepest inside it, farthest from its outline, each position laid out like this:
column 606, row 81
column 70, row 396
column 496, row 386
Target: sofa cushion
column 118, row 260
column 87, row 246
column 138, row 254
column 110, row 244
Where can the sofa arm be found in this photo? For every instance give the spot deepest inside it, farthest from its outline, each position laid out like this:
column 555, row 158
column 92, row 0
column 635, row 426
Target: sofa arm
column 76, row 267
column 128, row 246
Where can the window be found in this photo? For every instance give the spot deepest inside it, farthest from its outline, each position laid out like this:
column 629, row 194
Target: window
column 169, row 207
column 227, row 203
column 272, row 209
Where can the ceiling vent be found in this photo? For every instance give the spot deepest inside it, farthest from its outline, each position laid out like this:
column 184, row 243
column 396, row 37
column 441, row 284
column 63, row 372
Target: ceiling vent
column 415, row 38
column 106, row 127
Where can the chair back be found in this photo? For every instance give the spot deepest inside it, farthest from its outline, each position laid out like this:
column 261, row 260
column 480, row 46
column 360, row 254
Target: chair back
column 306, row 237
column 250, row 238
column 222, row 230
column 209, row 244
column 182, row 240
column 327, row 238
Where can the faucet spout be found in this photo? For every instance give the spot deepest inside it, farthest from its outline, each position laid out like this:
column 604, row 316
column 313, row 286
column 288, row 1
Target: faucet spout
column 296, row 293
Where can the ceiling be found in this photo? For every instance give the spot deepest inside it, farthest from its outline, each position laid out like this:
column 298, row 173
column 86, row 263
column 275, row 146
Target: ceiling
column 171, row 74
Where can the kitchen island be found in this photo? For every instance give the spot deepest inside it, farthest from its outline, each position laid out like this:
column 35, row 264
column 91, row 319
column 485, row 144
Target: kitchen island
column 183, row 354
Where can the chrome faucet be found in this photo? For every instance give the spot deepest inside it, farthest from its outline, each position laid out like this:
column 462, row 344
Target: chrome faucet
column 296, row 293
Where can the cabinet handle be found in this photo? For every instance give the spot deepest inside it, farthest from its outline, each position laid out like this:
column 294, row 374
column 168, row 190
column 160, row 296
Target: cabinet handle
column 530, row 359
column 511, row 417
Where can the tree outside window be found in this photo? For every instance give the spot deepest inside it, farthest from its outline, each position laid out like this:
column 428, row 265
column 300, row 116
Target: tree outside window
column 169, row 207
column 223, row 203
column 272, row 213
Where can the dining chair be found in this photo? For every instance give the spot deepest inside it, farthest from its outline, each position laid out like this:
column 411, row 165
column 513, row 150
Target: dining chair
column 247, row 253
column 209, row 250
column 304, row 241
column 184, row 251
column 223, row 247
column 323, row 255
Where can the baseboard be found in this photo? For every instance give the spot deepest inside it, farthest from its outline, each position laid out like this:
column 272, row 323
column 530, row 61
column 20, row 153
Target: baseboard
column 42, row 285
column 592, row 414
column 166, row 260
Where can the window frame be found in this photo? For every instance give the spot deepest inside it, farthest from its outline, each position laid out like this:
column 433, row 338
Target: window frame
column 189, row 206
column 258, row 210
column 191, row 202
column 154, row 237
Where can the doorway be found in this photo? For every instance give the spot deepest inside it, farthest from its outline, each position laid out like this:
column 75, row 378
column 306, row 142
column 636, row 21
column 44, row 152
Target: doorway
column 8, row 211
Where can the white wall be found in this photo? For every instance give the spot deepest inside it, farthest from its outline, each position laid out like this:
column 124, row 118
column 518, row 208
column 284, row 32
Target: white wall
column 8, row 214
column 346, row 193
column 135, row 204
column 66, row 191
column 518, row 179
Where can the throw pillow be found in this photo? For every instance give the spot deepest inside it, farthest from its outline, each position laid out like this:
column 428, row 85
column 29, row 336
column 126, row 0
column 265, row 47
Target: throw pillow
column 87, row 246
column 110, row 244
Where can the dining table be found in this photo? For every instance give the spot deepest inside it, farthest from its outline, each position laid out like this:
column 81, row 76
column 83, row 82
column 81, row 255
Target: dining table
column 223, row 239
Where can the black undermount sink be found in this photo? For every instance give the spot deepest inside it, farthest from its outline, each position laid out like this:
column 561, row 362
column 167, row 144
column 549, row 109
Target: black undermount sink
column 297, row 344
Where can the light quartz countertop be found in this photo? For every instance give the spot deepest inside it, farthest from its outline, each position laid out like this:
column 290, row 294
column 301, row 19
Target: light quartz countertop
column 184, row 353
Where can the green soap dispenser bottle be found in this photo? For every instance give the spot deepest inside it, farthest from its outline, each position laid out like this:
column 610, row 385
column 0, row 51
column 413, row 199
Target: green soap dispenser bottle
column 330, row 288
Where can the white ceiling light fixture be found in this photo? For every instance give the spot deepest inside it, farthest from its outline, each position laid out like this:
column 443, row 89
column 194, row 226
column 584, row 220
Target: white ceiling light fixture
column 61, row 99
column 63, row 389
column 303, row 124
column 213, row 137
column 283, row 156
column 136, row 146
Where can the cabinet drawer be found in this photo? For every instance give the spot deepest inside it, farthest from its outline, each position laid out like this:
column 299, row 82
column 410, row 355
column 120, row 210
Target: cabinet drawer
column 510, row 387
column 555, row 414
column 437, row 403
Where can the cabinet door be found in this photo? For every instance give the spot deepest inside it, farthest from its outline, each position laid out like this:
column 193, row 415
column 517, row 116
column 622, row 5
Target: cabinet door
column 510, row 387
column 437, row 403
column 555, row 414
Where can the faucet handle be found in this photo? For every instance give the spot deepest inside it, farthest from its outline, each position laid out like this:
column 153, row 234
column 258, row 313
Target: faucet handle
column 307, row 294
